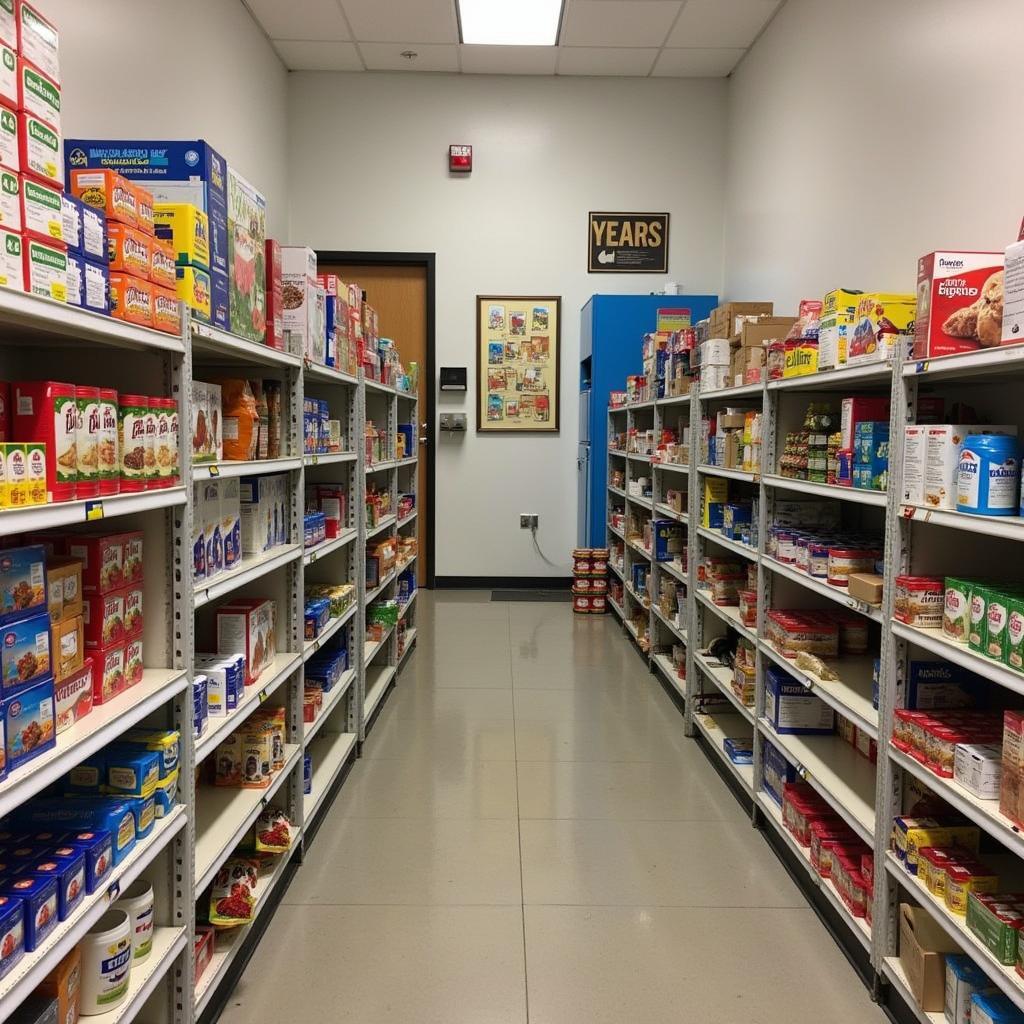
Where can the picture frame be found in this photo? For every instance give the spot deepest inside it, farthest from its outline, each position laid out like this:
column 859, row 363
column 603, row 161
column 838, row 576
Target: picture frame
column 518, row 364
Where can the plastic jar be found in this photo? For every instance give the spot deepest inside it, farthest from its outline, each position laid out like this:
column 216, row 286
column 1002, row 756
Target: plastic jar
column 817, row 560
column 843, row 561
column 106, row 962
column 581, row 604
column 785, row 550
column 137, row 900
column 988, row 476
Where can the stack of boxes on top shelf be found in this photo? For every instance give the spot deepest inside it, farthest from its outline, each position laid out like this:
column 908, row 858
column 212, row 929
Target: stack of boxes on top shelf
column 731, row 439
column 731, row 343
column 668, row 365
column 590, row 581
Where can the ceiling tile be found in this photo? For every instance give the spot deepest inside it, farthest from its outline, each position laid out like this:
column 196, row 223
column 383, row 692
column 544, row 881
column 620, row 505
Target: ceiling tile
column 721, row 22
column 701, row 62
column 388, row 57
column 509, row 60
column 309, row 55
column 312, row 19
column 426, row 21
column 617, row 22
column 588, row 60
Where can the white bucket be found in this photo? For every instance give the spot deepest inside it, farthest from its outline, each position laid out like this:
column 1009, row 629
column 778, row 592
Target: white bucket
column 106, row 963
column 138, row 901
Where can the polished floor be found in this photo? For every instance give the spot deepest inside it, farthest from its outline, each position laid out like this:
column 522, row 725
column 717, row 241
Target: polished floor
column 530, row 837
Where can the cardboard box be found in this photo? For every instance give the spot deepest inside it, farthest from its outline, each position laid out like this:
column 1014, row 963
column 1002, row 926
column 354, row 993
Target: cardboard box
column 299, row 287
column 838, row 315
column 856, row 410
column 960, row 299
column 1013, row 298
column 63, row 587
column 39, row 150
column 914, row 462
column 63, row 985
column 68, row 647
column 105, row 190
column 716, row 352
column 883, row 322
column 275, row 300
column 942, row 455
column 247, row 279
column 73, row 696
column 724, row 317
column 922, row 945
column 713, row 378
column 757, row 333
column 865, row 587
column 186, row 229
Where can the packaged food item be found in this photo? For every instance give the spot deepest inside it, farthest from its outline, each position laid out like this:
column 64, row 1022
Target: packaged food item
column 131, row 299
column 232, row 895
column 106, row 962
column 195, row 289
column 994, row 1008
column 144, row 206
column 961, row 303
column 68, row 647
column 298, row 277
column 792, row 709
column 69, row 873
column 166, row 311
column 883, row 321
column 39, row 898
column 73, row 696
column 997, row 920
column 12, row 262
column 108, row 673
column 248, row 628
column 131, row 441
column 47, row 411
column 956, row 610
column 40, row 150
column 22, row 582
column 63, row 985
column 12, row 932
column 25, row 654
column 920, row 601
column 137, row 902
column 240, row 419
column 10, row 198
column 129, row 250
column 39, row 95
column 187, row 229
column 45, row 269
column 38, row 39
column 247, row 216
column 105, row 190
column 98, row 847
column 988, row 476
column 275, row 299
column 273, row 832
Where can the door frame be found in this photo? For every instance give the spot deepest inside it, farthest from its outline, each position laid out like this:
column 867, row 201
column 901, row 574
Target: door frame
column 427, row 260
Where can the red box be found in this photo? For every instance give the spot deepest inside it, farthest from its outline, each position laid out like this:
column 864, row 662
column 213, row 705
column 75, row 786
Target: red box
column 247, row 627
column 133, row 664
column 133, row 620
column 133, row 570
column 860, row 410
column 73, row 697
column 102, row 558
column 959, row 303
column 104, row 620
column 275, row 296
column 202, row 951
column 108, row 678
column 46, row 410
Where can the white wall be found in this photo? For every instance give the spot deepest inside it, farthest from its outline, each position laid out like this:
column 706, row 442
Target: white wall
column 369, row 172
column 865, row 133
column 190, row 69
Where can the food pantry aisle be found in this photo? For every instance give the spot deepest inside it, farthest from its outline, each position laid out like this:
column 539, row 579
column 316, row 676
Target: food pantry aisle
column 529, row 785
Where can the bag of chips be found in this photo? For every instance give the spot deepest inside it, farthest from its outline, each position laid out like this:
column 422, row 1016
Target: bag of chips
column 273, row 832
column 233, row 893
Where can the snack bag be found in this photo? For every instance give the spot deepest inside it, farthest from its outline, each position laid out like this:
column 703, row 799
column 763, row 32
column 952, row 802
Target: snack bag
column 273, row 832
column 241, row 420
column 232, row 895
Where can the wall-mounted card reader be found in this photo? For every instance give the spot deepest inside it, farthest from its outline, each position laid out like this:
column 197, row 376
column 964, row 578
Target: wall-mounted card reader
column 453, row 422
column 453, row 378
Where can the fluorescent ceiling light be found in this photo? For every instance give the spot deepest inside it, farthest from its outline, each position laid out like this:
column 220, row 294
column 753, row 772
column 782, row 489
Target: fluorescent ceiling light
column 510, row 22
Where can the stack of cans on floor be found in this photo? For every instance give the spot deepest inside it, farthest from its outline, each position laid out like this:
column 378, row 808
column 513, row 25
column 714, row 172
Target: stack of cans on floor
column 590, row 581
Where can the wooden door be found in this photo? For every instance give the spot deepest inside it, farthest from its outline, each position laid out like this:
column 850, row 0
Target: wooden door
column 399, row 294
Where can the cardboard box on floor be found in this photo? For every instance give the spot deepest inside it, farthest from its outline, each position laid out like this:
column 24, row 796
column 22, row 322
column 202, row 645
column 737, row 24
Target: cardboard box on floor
column 922, row 945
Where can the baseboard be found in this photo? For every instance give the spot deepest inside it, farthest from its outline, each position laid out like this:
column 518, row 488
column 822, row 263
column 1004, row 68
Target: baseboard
column 503, row 582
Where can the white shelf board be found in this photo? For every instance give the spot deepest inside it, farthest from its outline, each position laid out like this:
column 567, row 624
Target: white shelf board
column 331, row 699
column 893, row 970
column 858, row 495
column 407, row 519
column 408, row 396
column 729, row 614
column 677, row 631
column 674, row 569
column 640, row 549
column 672, row 400
column 372, row 647
column 828, row 380
column 310, row 647
column 838, row 594
column 224, row 814
column 410, row 641
column 328, row 458
column 619, row 453
column 251, row 568
column 409, row 460
column 101, row 726
column 380, row 467
column 145, row 977
column 271, row 678
column 664, row 664
column 840, row 775
column 379, row 386
column 616, row 531
column 617, row 569
column 850, row 695
column 994, row 363
column 672, row 467
column 1003, row 527
column 935, row 641
column 670, row 513
column 642, row 600
column 617, row 490
column 330, row 753
column 253, row 467
column 377, row 680
column 721, row 676
column 84, row 510
column 617, row 608
column 729, row 474
column 23, row 978
column 636, row 499
column 310, row 555
column 372, row 595
column 858, row 925
column 646, row 404
column 735, row 546
column 716, row 727
column 400, row 567
column 327, row 374
column 635, row 457
column 386, row 523
column 212, row 344
column 740, row 391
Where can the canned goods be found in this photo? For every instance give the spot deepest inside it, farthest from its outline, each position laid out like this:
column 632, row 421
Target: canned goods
column 598, row 605
column 132, row 411
column 581, row 604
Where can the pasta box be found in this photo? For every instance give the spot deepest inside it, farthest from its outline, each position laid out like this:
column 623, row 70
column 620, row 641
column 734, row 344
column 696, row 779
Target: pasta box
column 45, row 267
column 12, row 932
column 247, row 239
column 69, row 873
column 12, row 263
column 40, row 149
column 104, row 190
column 25, row 656
column 29, row 726
column 39, row 95
column 39, row 896
column 73, row 696
column 38, row 38
column 131, row 299
column 103, row 561
column 98, row 847
column 22, row 582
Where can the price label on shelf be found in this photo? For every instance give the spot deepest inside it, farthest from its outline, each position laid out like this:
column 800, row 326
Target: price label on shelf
column 314, row 460
column 113, row 892
column 263, row 696
column 922, row 366
column 215, row 470
column 93, row 511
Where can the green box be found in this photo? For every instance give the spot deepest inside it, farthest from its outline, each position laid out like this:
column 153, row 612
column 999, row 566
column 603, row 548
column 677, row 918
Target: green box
column 995, row 928
column 1013, row 649
column 977, row 636
column 956, row 613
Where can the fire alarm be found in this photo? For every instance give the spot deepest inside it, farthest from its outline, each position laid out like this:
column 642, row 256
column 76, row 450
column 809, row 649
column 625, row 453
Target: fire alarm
column 460, row 159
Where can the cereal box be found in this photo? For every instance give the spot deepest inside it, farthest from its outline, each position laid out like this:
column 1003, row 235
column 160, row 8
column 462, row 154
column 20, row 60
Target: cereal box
column 22, row 582
column 25, row 656
column 42, row 211
column 247, row 237
column 105, row 190
column 39, row 95
column 128, row 250
column 194, row 289
column 46, row 411
column 298, row 289
column 275, row 311
column 45, row 269
column 187, row 230
column 882, row 322
column 131, row 299
column 38, row 39
column 960, row 303
column 29, row 723
column 12, row 265
column 10, row 148
column 40, row 150
column 10, row 200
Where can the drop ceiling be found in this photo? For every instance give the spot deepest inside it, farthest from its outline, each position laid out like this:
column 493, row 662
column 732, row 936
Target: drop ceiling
column 637, row 38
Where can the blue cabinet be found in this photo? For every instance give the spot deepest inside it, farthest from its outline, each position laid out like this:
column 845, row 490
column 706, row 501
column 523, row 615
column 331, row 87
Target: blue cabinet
column 611, row 333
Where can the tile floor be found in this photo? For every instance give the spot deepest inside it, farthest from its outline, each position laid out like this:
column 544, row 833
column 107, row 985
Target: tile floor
column 530, row 837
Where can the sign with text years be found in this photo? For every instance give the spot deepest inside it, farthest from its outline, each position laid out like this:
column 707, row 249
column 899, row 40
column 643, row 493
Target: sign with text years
column 628, row 243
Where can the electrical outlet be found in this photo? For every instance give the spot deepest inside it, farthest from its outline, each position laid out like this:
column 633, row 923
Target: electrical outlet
column 528, row 521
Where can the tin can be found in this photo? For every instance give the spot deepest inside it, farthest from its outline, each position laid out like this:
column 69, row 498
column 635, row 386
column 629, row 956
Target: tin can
column 109, row 469
column 87, row 441
column 47, row 411
column 152, row 422
column 132, row 411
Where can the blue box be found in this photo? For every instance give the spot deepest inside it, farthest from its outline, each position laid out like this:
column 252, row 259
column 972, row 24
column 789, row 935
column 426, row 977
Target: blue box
column 167, row 742
column 29, row 723
column 98, row 847
column 407, row 430
column 95, row 294
column 939, row 684
column 12, row 932
column 22, row 582
column 131, row 771
column 39, row 896
column 734, row 517
column 88, row 814
column 74, row 279
column 776, row 771
column 792, row 709
column 739, row 751
column 185, row 171
column 71, row 221
column 994, row 1007
column 667, row 534
column 69, row 874
column 307, row 774
column 94, row 235
column 220, row 310
column 144, row 813
column 25, row 656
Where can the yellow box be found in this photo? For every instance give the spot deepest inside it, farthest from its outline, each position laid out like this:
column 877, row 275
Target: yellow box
column 801, row 358
column 187, row 228
column 838, row 312
column 194, row 289
column 35, row 465
column 716, row 492
column 882, row 321
column 15, row 483
column 839, row 300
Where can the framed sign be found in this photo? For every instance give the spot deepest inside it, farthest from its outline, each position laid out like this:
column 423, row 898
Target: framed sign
column 628, row 243
column 517, row 363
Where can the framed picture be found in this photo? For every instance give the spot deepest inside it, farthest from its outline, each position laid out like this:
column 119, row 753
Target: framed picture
column 518, row 353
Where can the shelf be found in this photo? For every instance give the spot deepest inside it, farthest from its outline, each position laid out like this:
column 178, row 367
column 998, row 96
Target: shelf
column 221, row 727
column 718, row 726
column 858, row 925
column 737, row 547
column 36, row 321
column 674, row 569
column 617, row 569
column 310, row 555
column 670, row 513
column 672, row 467
column 729, row 614
column 380, row 467
column 729, row 474
column 855, row 375
column 840, row 775
column 86, row 510
column 328, row 458
column 724, row 394
column 616, row 531
column 101, row 726
column 634, row 457
column 1011, row 983
column 677, row 631
column 386, row 523
column 319, row 373
column 640, row 549
column 230, row 942
column 331, row 699
column 617, row 608
column 406, row 520
column 409, row 460
column 250, row 569
column 850, row 695
column 225, row 814
column 1003, row 527
column 636, row 499
column 372, row 647
column 329, row 753
column 837, row 594
column 400, row 567
column 379, row 386
column 214, row 344
column 672, row 400
column 168, row 944
column 664, row 663
column 33, row 967
column 254, row 467
column 893, row 971
column 410, row 641
column 995, row 363
column 408, row 396
column 310, row 647
column 378, row 679
column 619, row 453
column 857, row 495
column 646, row 404
column 641, row 600
column 372, row 595
column 617, row 490
column 721, row 676
column 935, row 641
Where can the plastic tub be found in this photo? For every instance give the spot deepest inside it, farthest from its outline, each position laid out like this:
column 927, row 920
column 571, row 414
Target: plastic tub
column 106, row 963
column 137, row 900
